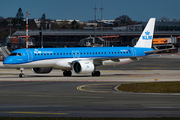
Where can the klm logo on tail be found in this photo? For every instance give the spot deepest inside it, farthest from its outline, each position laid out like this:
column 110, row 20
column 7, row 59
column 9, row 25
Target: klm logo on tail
column 147, row 36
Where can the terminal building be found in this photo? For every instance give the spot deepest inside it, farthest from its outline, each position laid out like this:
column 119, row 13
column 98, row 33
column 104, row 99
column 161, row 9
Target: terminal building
column 97, row 36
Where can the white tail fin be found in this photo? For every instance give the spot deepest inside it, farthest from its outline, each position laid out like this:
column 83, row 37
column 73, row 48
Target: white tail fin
column 146, row 38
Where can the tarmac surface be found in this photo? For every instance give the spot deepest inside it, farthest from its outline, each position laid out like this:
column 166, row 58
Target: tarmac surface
column 53, row 95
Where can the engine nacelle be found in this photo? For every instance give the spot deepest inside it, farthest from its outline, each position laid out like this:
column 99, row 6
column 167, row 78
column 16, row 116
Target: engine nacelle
column 42, row 70
column 83, row 67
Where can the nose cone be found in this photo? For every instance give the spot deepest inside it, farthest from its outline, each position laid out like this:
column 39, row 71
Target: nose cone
column 8, row 61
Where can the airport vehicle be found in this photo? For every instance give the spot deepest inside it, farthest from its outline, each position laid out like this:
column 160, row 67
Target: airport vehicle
column 80, row 59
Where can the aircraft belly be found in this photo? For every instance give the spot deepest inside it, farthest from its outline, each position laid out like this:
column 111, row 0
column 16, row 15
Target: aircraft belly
column 121, row 61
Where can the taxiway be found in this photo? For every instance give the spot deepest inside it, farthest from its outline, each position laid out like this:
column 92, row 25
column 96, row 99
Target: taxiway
column 52, row 95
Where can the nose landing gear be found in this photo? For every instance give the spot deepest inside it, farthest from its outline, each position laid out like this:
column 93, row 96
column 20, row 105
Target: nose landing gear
column 21, row 75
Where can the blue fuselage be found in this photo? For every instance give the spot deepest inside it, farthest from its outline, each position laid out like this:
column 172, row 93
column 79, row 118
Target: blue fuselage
column 24, row 56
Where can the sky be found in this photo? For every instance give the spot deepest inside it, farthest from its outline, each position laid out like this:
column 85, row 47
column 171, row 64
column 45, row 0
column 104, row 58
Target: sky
column 138, row 10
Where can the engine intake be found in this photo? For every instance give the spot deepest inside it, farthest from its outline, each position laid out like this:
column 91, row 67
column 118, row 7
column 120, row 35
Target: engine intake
column 83, row 67
column 42, row 70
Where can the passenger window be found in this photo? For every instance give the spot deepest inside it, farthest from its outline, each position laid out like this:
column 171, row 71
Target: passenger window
column 54, row 53
column 57, row 53
column 50, row 53
column 41, row 54
column 44, row 53
column 47, row 53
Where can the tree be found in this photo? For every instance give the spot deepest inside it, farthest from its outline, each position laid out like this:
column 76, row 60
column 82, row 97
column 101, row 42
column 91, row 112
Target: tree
column 123, row 20
column 1, row 18
column 32, row 24
column 164, row 19
column 19, row 14
column 74, row 24
column 4, row 23
column 43, row 16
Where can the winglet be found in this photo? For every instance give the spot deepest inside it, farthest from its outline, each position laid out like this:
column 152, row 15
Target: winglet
column 146, row 38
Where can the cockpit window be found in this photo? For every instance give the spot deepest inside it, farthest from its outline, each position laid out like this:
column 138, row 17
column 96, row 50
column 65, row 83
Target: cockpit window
column 15, row 54
column 19, row 54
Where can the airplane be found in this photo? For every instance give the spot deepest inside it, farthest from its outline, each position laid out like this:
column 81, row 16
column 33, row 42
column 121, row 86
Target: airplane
column 80, row 59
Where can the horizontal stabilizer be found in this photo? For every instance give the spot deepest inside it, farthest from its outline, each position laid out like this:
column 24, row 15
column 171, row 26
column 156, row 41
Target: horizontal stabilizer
column 155, row 51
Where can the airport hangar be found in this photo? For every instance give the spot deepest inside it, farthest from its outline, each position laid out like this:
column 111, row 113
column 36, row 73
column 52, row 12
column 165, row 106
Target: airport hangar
column 106, row 36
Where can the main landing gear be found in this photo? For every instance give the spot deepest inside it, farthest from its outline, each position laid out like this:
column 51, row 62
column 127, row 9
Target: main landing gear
column 21, row 75
column 96, row 73
column 67, row 73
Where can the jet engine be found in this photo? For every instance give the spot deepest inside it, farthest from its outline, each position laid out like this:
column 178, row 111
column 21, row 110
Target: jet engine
column 83, row 67
column 42, row 70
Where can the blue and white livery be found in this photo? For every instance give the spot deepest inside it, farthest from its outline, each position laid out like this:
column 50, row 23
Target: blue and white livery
column 80, row 59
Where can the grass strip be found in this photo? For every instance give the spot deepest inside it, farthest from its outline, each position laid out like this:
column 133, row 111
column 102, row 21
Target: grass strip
column 151, row 87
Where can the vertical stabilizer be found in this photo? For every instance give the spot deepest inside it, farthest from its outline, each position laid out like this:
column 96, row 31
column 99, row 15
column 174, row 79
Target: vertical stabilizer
column 146, row 38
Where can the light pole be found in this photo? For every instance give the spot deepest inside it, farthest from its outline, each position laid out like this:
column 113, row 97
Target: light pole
column 27, row 29
column 95, row 21
column 101, row 17
column 10, row 27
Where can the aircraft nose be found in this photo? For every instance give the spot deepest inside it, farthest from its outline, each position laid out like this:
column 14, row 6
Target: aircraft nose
column 7, row 61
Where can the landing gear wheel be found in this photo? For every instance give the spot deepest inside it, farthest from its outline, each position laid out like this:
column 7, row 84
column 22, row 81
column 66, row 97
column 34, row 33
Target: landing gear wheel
column 21, row 75
column 67, row 73
column 96, row 73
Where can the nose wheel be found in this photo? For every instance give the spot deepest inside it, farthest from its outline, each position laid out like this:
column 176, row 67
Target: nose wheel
column 21, row 75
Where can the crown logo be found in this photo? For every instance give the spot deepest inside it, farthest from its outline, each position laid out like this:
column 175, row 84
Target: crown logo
column 147, row 33
column 147, row 36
